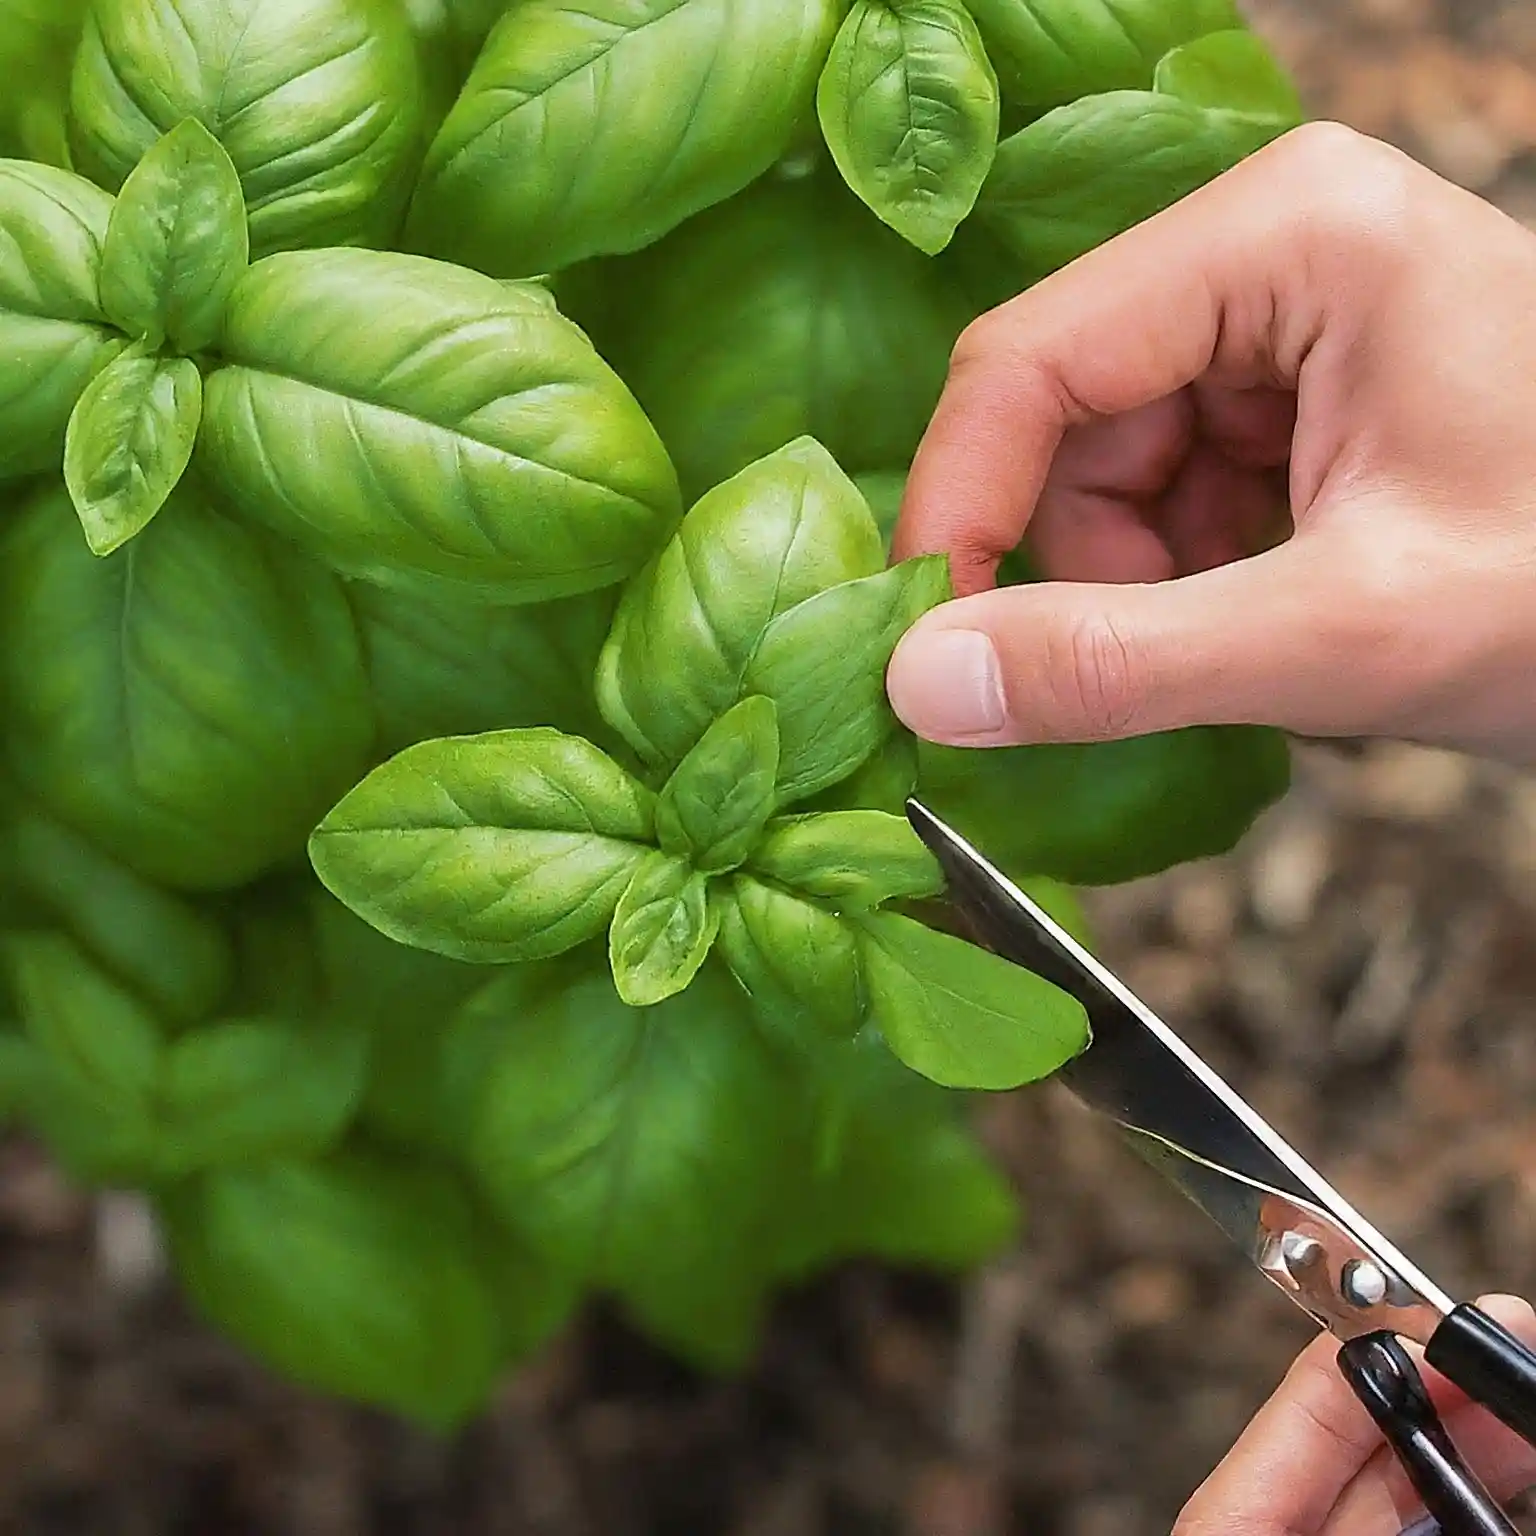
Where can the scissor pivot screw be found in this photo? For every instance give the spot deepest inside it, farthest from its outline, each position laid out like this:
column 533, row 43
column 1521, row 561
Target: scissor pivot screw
column 1363, row 1284
column 1300, row 1252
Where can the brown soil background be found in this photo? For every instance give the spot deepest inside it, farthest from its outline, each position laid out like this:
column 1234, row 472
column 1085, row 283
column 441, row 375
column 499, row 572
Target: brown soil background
column 1362, row 966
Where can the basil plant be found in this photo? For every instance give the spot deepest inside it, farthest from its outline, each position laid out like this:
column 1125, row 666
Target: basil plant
column 452, row 857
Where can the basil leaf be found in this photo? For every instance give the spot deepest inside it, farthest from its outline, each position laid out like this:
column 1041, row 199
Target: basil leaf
column 88, row 1087
column 831, row 326
column 663, row 928
column 444, row 668
column 37, row 39
column 909, row 105
column 1108, row 812
column 645, row 1151
column 508, row 846
column 318, row 103
column 823, row 664
column 192, row 702
column 534, row 1300
column 247, row 1090
column 53, row 334
column 1048, row 52
column 961, row 1016
column 798, row 964
column 854, row 859
column 176, row 242
column 1231, row 70
column 597, row 127
column 277, row 965
column 881, row 783
column 129, row 441
column 1087, row 172
column 419, row 1076
column 902, row 1178
column 773, row 535
column 176, row 956
column 354, row 1274
column 720, row 796
column 475, row 441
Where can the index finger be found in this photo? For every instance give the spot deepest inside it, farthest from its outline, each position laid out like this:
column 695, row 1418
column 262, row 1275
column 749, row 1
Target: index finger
column 1236, row 280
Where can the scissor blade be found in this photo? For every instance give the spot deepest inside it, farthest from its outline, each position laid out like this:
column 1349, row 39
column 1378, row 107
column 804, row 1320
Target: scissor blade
column 1179, row 1114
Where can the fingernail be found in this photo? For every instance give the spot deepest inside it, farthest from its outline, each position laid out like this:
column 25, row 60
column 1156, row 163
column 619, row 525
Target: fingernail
column 1428, row 1526
column 947, row 684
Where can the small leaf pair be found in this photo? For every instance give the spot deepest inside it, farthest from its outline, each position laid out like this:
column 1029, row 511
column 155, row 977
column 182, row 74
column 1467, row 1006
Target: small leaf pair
column 176, row 244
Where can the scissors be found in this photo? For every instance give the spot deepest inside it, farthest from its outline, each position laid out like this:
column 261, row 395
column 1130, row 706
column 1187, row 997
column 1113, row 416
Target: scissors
column 1294, row 1227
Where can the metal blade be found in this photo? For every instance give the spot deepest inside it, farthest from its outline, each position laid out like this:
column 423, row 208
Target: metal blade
column 1180, row 1116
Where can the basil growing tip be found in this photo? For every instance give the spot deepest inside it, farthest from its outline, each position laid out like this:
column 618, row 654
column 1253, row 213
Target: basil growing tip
column 719, row 797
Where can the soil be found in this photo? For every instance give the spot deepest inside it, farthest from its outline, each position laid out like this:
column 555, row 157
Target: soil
column 1361, row 967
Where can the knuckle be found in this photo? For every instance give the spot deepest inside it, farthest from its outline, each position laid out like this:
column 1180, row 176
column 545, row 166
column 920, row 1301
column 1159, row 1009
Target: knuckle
column 1353, row 195
column 1100, row 681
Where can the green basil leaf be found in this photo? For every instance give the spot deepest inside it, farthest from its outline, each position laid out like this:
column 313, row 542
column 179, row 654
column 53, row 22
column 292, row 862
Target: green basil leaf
column 1108, row 812
column 89, row 1087
column 176, row 243
column 176, row 956
column 909, row 106
column 248, row 1090
column 781, row 530
column 508, row 846
column 961, row 1016
column 1049, row 52
column 1231, row 70
column 277, row 963
column 129, row 442
column 317, row 102
column 354, row 1274
column 597, row 127
column 192, row 702
column 663, row 927
column 830, row 326
column 797, row 963
column 53, row 334
column 881, row 783
column 421, row 1073
column 883, row 490
column 443, row 668
column 475, row 440
column 823, row 664
column 534, row 1300
column 449, row 35
column 903, row 1178
column 721, row 795
column 853, row 859
column 1087, row 172
column 646, row 1151
column 37, row 40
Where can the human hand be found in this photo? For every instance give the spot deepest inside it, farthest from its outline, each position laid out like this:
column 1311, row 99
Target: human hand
column 1329, row 319
column 1313, row 1463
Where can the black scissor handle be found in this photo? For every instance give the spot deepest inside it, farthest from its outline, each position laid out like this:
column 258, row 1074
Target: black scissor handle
column 1490, row 1365
column 1385, row 1379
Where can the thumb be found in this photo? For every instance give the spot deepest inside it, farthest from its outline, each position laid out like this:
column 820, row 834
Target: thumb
column 1284, row 639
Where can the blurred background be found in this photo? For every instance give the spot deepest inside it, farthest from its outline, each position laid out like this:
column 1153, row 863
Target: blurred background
column 1363, row 967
